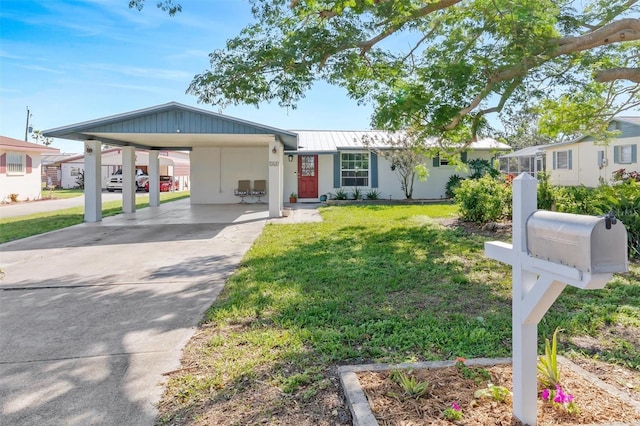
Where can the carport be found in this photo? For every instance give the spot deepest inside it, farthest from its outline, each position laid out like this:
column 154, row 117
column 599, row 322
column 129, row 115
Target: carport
column 223, row 150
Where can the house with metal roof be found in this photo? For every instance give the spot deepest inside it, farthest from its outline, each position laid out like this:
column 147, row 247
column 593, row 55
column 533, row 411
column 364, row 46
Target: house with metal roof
column 226, row 153
column 582, row 161
column 20, row 169
column 339, row 159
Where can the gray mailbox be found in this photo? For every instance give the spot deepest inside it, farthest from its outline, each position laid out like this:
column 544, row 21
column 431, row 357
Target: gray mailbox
column 588, row 243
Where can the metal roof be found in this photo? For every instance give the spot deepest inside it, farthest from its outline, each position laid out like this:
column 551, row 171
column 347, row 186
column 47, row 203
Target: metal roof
column 173, row 126
column 530, row 151
column 318, row 141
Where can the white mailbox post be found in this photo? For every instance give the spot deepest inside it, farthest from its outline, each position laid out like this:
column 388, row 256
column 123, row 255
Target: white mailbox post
column 549, row 251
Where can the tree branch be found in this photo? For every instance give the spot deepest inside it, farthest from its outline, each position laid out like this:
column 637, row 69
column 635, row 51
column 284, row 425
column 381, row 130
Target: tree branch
column 631, row 74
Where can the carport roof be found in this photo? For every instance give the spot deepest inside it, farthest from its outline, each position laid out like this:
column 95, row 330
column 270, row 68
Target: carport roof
column 174, row 126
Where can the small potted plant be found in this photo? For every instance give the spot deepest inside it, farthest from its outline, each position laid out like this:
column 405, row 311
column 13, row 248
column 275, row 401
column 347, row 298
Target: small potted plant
column 293, row 197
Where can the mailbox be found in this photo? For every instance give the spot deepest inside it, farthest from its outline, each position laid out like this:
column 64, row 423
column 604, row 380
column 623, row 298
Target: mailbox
column 588, row 243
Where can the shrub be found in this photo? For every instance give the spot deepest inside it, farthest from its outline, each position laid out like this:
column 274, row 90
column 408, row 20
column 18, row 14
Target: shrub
column 452, row 184
column 13, row 197
column 482, row 167
column 374, row 194
column 624, row 200
column 340, row 194
column 577, row 199
column 80, row 180
column 546, row 192
column 356, row 193
column 483, row 200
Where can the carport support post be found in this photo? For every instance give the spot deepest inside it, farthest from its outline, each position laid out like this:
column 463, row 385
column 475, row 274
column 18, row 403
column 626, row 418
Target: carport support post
column 128, row 179
column 92, row 181
column 524, row 336
column 154, row 179
column 276, row 178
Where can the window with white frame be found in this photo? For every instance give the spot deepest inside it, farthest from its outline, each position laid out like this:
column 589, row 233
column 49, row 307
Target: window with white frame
column 75, row 171
column 624, row 154
column 354, row 168
column 562, row 160
column 15, row 163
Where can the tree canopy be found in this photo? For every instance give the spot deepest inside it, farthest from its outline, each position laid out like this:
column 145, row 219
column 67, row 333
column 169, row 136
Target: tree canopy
column 441, row 66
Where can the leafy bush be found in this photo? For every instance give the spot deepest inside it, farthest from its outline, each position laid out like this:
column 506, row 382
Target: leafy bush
column 577, row 199
column 546, row 192
column 624, row 200
column 482, row 167
column 452, row 184
column 80, row 180
column 483, row 200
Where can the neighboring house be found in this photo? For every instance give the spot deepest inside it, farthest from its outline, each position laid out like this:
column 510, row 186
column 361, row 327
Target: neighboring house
column 584, row 161
column 531, row 159
column 172, row 163
column 328, row 160
column 20, row 169
column 51, row 173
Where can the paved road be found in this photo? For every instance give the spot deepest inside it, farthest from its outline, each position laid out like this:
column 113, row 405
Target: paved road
column 41, row 206
column 93, row 315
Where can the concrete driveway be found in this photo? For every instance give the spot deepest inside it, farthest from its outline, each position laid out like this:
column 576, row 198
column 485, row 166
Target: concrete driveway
column 93, row 315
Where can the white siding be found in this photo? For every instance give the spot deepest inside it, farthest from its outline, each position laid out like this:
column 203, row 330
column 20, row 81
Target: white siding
column 585, row 169
column 28, row 186
column 215, row 172
column 388, row 183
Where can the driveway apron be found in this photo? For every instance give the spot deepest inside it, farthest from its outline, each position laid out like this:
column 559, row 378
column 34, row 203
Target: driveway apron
column 93, row 315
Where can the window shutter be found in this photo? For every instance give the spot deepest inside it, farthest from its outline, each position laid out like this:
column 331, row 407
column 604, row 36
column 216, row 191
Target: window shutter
column 616, row 154
column 336, row 170
column 374, row 170
column 555, row 160
column 463, row 157
column 29, row 164
column 634, row 153
column 569, row 158
column 3, row 163
column 436, row 161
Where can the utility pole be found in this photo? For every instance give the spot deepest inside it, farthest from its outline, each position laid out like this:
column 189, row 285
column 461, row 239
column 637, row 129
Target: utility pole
column 26, row 129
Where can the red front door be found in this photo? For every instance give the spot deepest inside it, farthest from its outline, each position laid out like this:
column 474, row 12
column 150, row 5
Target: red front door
column 307, row 176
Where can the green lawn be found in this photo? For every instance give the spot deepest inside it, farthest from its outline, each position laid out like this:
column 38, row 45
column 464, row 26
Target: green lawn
column 14, row 228
column 371, row 284
column 62, row 193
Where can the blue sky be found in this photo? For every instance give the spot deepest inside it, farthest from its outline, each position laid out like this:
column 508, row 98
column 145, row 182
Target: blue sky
column 72, row 61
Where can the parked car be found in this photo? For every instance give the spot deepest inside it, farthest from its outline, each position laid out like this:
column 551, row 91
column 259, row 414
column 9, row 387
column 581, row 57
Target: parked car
column 166, row 182
column 115, row 180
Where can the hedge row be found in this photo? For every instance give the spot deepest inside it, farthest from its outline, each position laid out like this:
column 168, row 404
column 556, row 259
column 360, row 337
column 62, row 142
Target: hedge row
column 489, row 199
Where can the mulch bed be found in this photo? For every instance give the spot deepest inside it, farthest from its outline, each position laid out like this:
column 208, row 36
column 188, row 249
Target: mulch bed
column 447, row 385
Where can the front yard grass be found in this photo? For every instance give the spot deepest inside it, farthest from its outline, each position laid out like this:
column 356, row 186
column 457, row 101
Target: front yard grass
column 62, row 193
column 369, row 284
column 14, row 228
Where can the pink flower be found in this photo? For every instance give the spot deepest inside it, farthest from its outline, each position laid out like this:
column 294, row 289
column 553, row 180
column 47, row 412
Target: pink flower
column 545, row 394
column 455, row 406
column 561, row 397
